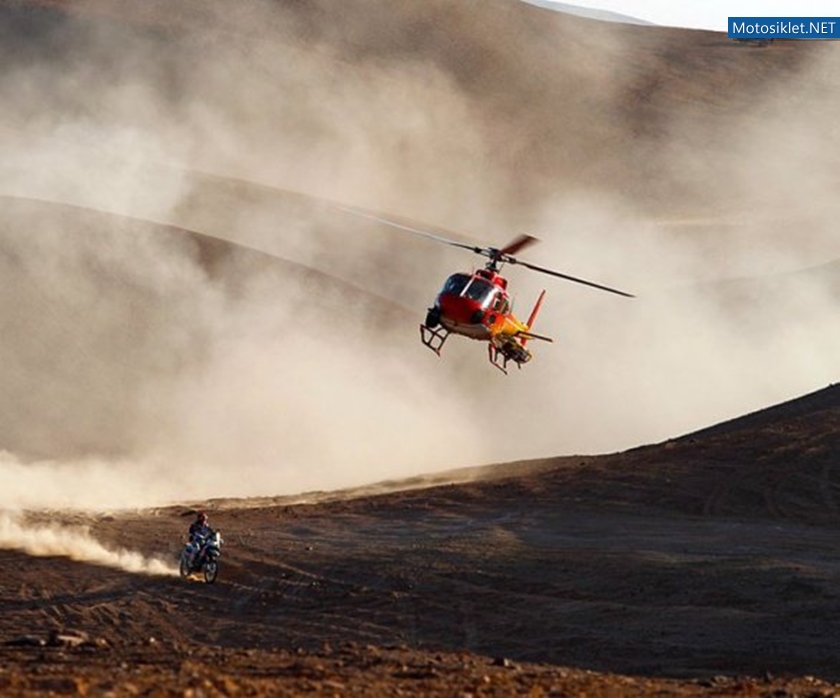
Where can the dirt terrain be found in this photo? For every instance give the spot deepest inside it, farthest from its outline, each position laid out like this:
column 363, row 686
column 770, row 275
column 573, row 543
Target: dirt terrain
column 706, row 565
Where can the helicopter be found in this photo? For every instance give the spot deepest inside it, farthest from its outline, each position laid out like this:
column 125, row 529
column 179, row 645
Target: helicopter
column 477, row 304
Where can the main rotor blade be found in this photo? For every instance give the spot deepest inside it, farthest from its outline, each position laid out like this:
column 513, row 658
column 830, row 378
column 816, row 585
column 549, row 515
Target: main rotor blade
column 551, row 272
column 501, row 255
column 517, row 244
column 409, row 229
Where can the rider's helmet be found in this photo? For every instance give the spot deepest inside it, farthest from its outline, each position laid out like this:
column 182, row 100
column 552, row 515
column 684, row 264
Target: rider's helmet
column 202, row 516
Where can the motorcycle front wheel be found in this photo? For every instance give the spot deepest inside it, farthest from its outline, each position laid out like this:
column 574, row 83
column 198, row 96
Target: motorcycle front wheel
column 184, row 568
column 211, row 569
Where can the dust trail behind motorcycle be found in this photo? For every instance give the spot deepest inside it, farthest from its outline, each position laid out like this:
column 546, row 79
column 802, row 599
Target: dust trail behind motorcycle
column 76, row 543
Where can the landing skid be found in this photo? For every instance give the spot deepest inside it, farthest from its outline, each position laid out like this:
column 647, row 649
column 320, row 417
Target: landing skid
column 434, row 338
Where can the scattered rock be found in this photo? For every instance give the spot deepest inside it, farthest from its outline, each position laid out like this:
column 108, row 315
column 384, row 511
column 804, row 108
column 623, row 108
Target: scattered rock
column 504, row 662
column 26, row 641
column 68, row 638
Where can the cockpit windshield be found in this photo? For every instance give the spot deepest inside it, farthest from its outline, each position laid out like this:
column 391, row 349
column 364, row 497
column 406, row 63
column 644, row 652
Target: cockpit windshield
column 471, row 287
column 479, row 290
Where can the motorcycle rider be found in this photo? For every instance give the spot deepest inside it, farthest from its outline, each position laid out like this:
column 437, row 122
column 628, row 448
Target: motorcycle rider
column 199, row 531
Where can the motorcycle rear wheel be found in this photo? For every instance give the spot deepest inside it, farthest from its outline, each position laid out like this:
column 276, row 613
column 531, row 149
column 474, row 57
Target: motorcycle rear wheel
column 184, row 568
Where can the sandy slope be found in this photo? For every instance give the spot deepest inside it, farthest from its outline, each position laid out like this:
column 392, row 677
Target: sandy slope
column 685, row 560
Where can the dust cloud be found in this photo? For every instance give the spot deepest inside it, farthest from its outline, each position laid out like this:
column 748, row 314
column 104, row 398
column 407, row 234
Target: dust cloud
column 76, row 543
column 145, row 364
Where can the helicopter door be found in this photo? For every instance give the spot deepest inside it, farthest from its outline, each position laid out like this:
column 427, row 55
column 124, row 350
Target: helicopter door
column 501, row 304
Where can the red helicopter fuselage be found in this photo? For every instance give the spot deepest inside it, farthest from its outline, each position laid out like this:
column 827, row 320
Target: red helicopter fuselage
column 478, row 306
column 474, row 305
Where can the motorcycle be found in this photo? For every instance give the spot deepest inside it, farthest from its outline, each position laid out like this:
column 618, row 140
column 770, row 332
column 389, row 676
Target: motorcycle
column 202, row 555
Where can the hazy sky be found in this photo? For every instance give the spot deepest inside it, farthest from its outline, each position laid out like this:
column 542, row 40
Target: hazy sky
column 712, row 14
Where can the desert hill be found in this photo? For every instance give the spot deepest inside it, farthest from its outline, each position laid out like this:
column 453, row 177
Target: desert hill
column 777, row 463
column 92, row 319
